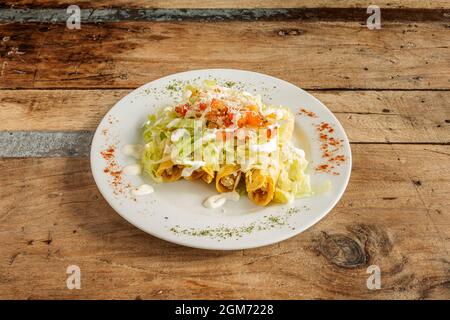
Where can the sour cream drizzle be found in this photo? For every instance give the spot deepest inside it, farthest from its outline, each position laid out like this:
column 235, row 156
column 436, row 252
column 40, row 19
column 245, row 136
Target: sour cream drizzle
column 218, row 200
column 270, row 146
column 194, row 165
column 142, row 190
column 132, row 170
column 178, row 134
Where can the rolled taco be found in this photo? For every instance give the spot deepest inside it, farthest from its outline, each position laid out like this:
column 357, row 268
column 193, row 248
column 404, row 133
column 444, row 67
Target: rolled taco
column 208, row 175
column 196, row 174
column 169, row 171
column 204, row 173
column 228, row 178
column 260, row 185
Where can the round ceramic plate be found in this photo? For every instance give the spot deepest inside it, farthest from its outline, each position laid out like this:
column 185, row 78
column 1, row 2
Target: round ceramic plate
column 174, row 212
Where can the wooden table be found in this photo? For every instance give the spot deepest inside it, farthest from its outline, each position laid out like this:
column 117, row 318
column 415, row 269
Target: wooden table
column 390, row 88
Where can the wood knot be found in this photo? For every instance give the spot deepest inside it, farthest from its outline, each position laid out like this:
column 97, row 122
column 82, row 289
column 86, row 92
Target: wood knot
column 290, row 32
column 359, row 247
column 342, row 251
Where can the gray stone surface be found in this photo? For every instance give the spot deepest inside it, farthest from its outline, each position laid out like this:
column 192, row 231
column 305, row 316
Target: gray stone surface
column 19, row 144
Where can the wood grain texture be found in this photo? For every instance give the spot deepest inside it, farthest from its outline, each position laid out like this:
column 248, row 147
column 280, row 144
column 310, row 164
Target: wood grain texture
column 229, row 3
column 394, row 214
column 390, row 88
column 312, row 55
column 367, row 116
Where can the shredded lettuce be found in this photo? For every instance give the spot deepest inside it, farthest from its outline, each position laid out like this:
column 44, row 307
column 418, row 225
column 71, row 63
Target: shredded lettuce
column 168, row 136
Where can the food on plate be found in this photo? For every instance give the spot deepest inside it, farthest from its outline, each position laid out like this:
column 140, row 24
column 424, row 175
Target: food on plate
column 228, row 178
column 230, row 136
column 260, row 184
column 169, row 171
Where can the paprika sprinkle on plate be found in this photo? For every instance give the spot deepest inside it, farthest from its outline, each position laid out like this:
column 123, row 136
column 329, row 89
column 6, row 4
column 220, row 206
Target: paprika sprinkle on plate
column 330, row 147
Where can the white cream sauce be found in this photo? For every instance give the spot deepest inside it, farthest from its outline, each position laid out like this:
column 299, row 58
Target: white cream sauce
column 132, row 170
column 270, row 146
column 194, row 165
column 178, row 134
column 142, row 190
column 218, row 200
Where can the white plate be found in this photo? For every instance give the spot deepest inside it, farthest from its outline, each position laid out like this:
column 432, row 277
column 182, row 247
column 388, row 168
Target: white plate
column 174, row 212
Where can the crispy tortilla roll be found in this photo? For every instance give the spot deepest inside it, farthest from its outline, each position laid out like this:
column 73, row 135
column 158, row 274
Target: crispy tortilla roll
column 196, row 174
column 205, row 173
column 169, row 171
column 228, row 178
column 208, row 175
column 260, row 185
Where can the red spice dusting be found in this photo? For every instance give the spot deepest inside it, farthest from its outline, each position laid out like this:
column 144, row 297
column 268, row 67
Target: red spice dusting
column 330, row 146
column 334, row 142
column 113, row 169
column 308, row 113
column 325, row 127
column 108, row 154
column 340, row 158
column 117, row 175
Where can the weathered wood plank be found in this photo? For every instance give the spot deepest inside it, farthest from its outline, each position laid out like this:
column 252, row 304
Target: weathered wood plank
column 367, row 116
column 313, row 55
column 228, row 3
column 394, row 214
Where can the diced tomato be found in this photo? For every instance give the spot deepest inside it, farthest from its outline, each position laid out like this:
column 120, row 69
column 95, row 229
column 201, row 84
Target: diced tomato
column 211, row 116
column 218, row 105
column 202, row 106
column 215, row 104
column 227, row 122
column 269, row 133
column 254, row 119
column 242, row 122
column 182, row 109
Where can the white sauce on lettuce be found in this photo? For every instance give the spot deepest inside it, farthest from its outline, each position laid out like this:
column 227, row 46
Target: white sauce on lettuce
column 270, row 146
column 178, row 134
column 193, row 165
